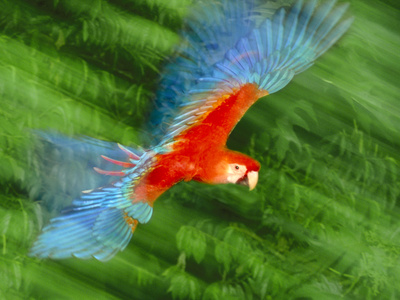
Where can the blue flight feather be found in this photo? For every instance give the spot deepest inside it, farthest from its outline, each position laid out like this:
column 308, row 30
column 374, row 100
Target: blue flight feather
column 224, row 43
column 224, row 47
column 95, row 225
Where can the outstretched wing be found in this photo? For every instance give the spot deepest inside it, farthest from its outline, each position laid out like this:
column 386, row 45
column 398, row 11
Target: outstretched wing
column 101, row 222
column 261, row 62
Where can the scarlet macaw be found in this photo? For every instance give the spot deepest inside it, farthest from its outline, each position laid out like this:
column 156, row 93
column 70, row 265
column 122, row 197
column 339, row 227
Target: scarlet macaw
column 226, row 64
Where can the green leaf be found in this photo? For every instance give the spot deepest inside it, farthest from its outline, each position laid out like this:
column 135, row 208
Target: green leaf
column 85, row 31
column 192, row 241
column 223, row 290
column 182, row 285
column 223, row 254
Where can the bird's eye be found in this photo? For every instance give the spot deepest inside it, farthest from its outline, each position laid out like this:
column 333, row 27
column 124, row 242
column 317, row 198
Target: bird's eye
column 237, row 167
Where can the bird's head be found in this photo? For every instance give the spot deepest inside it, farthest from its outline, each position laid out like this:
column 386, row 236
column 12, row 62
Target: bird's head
column 241, row 169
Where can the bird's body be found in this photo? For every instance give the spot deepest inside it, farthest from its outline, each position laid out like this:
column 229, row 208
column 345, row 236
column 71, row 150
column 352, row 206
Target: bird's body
column 198, row 152
column 227, row 64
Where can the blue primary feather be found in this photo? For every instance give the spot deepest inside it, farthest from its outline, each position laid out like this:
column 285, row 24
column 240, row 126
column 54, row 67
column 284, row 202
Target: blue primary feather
column 224, row 47
column 94, row 225
column 65, row 162
column 211, row 29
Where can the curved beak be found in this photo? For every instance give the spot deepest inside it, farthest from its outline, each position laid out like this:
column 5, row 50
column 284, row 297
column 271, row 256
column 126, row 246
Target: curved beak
column 250, row 180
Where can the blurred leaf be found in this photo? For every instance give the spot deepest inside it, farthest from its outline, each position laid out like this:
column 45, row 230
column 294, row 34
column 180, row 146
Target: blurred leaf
column 183, row 286
column 323, row 222
column 192, row 241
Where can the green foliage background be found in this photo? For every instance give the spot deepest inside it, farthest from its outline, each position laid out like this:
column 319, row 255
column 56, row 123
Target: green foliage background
column 324, row 221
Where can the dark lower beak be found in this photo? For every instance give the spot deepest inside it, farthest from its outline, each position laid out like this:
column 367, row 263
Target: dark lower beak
column 249, row 180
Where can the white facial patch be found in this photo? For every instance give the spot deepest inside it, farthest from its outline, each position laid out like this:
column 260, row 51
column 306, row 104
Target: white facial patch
column 235, row 172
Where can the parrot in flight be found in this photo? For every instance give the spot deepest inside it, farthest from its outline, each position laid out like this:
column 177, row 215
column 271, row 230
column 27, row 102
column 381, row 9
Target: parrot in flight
column 231, row 55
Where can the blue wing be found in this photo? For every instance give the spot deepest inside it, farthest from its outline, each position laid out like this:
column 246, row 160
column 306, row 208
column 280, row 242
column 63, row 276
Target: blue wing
column 66, row 167
column 283, row 46
column 211, row 29
column 224, row 48
column 99, row 223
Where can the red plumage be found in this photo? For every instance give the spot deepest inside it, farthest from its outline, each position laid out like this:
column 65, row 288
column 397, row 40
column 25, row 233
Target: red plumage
column 250, row 62
column 200, row 152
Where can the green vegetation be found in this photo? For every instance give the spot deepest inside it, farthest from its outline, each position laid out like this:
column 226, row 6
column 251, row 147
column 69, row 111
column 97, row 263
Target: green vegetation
column 324, row 220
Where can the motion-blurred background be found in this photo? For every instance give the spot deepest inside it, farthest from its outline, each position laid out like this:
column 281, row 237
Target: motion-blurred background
column 323, row 222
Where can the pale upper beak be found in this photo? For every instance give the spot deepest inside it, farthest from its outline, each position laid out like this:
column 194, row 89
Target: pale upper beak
column 250, row 180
